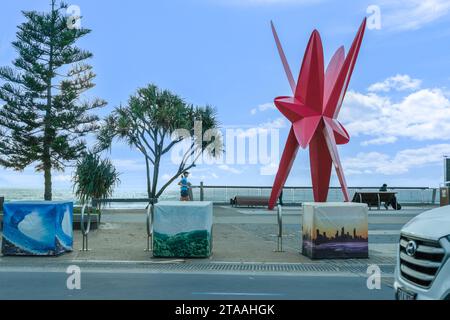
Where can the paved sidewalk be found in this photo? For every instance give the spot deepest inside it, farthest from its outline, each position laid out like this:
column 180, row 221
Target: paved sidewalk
column 239, row 235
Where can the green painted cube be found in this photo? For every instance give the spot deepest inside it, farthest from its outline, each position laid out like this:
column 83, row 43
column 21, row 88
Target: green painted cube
column 182, row 229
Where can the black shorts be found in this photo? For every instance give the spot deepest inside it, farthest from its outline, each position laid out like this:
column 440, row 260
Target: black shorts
column 184, row 193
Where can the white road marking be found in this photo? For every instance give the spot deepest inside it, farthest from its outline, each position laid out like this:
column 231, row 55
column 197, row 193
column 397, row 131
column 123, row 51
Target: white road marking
column 237, row 294
column 384, row 232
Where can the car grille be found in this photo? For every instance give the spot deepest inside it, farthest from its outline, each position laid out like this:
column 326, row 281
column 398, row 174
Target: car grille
column 422, row 268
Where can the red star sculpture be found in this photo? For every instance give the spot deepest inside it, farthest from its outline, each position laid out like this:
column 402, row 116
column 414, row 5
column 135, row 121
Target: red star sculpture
column 313, row 112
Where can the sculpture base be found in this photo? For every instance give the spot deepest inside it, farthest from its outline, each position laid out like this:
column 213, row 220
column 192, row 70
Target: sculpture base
column 335, row 231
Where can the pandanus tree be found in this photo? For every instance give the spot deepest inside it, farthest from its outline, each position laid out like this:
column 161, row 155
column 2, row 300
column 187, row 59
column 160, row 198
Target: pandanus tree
column 155, row 121
column 94, row 178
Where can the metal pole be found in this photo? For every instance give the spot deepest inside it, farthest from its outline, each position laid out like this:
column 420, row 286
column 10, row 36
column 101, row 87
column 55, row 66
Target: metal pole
column 85, row 229
column 445, row 171
column 202, row 195
column 280, row 229
column 150, row 211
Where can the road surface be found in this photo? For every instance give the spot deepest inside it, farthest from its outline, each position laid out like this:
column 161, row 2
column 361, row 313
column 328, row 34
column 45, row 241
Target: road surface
column 110, row 284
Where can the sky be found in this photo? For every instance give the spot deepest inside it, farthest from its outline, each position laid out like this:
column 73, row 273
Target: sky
column 222, row 53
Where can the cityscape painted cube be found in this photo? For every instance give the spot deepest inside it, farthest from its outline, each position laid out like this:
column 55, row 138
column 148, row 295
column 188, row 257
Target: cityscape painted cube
column 37, row 228
column 182, row 229
column 335, row 230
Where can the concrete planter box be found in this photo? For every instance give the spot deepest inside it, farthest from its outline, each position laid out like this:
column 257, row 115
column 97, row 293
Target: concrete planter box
column 37, row 228
column 182, row 230
column 335, row 230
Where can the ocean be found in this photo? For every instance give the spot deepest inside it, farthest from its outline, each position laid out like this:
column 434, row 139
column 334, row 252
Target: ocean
column 218, row 195
column 13, row 194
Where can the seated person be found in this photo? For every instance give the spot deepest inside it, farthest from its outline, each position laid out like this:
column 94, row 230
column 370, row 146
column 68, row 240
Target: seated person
column 393, row 202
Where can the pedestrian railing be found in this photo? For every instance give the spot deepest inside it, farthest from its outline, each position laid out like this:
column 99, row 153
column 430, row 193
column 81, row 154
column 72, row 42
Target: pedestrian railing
column 85, row 226
column 298, row 195
column 292, row 196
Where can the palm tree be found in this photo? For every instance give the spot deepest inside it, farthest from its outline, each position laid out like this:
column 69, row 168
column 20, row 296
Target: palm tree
column 153, row 122
column 94, row 178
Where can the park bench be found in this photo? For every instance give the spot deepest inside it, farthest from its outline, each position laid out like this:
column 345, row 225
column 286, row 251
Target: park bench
column 77, row 221
column 250, row 201
column 373, row 198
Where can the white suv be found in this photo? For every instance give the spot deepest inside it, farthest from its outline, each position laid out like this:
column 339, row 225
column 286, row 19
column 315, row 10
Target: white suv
column 423, row 264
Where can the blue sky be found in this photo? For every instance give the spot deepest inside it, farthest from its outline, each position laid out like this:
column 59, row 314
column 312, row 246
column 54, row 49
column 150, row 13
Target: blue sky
column 222, row 53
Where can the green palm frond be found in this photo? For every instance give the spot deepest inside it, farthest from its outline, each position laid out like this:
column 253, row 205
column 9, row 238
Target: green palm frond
column 94, row 178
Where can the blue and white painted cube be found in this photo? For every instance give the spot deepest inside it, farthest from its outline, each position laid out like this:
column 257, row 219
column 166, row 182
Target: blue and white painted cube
column 37, row 228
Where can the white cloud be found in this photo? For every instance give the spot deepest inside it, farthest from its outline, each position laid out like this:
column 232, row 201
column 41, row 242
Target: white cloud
column 195, row 177
column 205, row 176
column 268, row 2
column 227, row 168
column 127, row 165
column 379, row 141
column 204, row 173
column 21, row 179
column 263, row 107
column 266, row 106
column 421, row 115
column 269, row 170
column 264, row 128
column 62, row 178
column 402, row 162
column 278, row 123
column 412, row 14
column 401, row 15
column 399, row 83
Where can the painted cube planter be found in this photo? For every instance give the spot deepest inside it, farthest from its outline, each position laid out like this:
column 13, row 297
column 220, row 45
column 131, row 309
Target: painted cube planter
column 37, row 228
column 335, row 230
column 182, row 229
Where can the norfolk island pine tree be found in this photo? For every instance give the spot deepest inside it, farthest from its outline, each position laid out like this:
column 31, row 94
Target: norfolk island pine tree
column 44, row 117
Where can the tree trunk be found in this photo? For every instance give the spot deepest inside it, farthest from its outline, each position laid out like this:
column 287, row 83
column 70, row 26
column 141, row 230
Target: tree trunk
column 99, row 212
column 149, row 188
column 155, row 175
column 46, row 156
column 48, row 183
